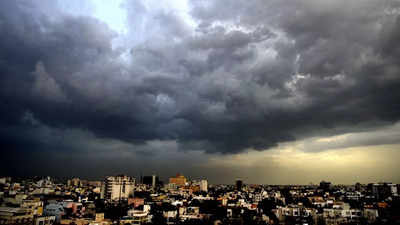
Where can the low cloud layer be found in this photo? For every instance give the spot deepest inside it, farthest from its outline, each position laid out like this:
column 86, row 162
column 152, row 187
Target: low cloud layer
column 221, row 77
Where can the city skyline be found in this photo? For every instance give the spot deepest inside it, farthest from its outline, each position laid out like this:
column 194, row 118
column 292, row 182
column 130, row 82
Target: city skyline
column 166, row 180
column 272, row 92
column 121, row 200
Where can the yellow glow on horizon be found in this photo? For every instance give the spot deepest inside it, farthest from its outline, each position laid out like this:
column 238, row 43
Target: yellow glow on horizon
column 364, row 164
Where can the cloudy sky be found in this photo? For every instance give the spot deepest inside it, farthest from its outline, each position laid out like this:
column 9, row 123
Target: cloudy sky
column 276, row 92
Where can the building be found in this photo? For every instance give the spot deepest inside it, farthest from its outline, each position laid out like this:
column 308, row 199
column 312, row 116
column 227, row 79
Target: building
column 204, row 185
column 116, row 188
column 44, row 220
column 4, row 180
column 84, row 221
column 239, row 184
column 74, row 182
column 151, row 180
column 94, row 183
column 136, row 202
column 382, row 190
column 137, row 217
column 11, row 215
column 34, row 204
column 357, row 186
column 179, row 180
column 325, row 185
column 54, row 209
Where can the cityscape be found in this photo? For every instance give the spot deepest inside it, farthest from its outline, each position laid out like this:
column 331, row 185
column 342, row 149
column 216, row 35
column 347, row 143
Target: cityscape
column 123, row 200
column 192, row 112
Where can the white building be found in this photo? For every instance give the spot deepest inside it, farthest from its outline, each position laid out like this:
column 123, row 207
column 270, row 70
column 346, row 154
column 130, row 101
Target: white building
column 117, row 188
column 153, row 180
column 393, row 189
column 137, row 217
column 45, row 220
column 204, row 185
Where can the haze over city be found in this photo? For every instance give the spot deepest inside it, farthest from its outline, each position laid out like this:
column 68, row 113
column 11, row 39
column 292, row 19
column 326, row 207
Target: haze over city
column 272, row 92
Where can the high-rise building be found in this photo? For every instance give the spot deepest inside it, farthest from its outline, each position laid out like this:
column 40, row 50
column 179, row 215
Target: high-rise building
column 239, row 184
column 325, row 185
column 116, row 188
column 179, row 180
column 357, row 186
column 151, row 180
column 383, row 190
column 204, row 185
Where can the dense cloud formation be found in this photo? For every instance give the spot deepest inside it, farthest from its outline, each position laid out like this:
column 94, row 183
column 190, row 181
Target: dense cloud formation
column 236, row 75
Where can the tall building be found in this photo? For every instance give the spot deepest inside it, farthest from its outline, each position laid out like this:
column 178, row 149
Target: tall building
column 179, row 180
column 325, row 185
column 204, row 185
column 116, row 188
column 239, row 184
column 383, row 190
column 358, row 186
column 151, row 180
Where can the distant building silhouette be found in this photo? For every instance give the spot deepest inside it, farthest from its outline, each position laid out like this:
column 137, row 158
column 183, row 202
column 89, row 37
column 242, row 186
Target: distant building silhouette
column 325, row 185
column 239, row 184
column 152, row 181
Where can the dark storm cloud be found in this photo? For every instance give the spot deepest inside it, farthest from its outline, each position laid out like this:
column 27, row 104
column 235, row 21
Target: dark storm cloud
column 250, row 75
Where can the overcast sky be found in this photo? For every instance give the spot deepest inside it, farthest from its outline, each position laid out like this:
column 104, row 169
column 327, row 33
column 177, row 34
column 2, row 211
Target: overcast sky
column 276, row 92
